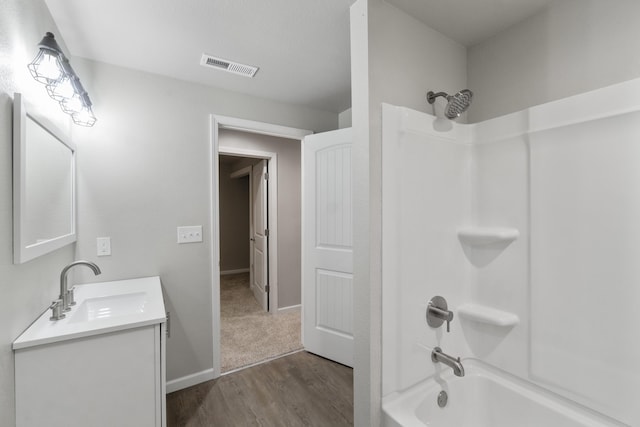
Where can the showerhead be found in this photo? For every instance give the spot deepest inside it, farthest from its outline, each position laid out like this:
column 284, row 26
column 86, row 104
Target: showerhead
column 456, row 104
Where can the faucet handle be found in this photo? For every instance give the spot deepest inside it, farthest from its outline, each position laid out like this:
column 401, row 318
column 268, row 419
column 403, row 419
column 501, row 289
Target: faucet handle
column 56, row 310
column 70, row 296
column 438, row 313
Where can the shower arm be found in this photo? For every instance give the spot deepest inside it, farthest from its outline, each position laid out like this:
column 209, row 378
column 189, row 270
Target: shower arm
column 431, row 96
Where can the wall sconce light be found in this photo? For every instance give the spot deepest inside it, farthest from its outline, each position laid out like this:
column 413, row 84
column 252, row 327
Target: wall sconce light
column 51, row 68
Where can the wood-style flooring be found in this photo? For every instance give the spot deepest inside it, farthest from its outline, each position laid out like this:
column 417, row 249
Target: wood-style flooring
column 300, row 389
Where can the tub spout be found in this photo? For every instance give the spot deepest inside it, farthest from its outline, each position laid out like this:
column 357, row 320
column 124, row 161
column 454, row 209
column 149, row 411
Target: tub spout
column 438, row 356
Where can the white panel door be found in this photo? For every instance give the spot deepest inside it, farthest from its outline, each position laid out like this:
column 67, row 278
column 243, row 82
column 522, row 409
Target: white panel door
column 260, row 273
column 327, row 246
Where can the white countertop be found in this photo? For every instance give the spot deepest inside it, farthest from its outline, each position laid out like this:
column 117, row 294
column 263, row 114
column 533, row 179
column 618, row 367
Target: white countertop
column 100, row 308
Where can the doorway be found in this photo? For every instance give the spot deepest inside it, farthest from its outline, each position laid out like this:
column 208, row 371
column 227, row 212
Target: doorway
column 249, row 333
column 227, row 125
column 244, row 225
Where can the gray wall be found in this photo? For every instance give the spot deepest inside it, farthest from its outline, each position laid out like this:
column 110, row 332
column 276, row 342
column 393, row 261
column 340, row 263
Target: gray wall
column 234, row 220
column 571, row 47
column 289, row 200
column 391, row 62
column 27, row 289
column 344, row 119
column 143, row 170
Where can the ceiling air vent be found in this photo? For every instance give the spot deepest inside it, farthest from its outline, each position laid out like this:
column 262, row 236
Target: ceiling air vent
column 230, row 66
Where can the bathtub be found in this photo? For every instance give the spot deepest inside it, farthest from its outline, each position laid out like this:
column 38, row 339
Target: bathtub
column 484, row 398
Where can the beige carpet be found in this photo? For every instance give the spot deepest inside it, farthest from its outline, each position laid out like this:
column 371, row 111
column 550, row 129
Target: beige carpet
column 250, row 335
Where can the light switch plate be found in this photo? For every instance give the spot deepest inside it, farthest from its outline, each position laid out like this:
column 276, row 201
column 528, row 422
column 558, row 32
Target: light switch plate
column 104, row 246
column 190, row 234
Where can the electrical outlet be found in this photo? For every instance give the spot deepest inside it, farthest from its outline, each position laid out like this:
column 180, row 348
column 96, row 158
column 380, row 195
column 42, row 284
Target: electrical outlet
column 190, row 234
column 104, row 246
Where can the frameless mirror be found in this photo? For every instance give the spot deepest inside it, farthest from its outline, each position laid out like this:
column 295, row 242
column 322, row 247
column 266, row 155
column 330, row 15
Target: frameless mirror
column 43, row 187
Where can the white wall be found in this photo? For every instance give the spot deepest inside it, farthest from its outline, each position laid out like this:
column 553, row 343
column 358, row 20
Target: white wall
column 289, row 205
column 143, row 170
column 385, row 68
column 27, row 289
column 365, row 402
column 571, row 47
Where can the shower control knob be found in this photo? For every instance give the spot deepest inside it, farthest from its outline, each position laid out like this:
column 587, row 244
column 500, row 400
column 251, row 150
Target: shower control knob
column 438, row 313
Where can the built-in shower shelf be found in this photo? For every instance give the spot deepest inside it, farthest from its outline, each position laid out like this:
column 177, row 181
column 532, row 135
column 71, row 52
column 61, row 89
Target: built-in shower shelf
column 485, row 236
column 491, row 316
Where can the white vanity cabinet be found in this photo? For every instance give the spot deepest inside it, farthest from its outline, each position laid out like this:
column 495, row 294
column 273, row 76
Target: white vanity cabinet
column 95, row 371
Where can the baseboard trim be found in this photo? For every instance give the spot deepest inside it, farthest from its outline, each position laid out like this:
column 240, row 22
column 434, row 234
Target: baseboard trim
column 297, row 307
column 241, row 270
column 189, row 380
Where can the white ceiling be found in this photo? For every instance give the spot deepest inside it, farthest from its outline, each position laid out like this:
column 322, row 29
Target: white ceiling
column 470, row 21
column 301, row 46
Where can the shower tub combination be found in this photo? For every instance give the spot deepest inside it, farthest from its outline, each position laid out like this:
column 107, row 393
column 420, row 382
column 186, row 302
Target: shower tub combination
column 484, row 398
column 525, row 224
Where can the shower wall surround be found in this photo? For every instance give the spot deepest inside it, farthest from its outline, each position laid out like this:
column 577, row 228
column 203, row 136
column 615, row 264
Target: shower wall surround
column 528, row 225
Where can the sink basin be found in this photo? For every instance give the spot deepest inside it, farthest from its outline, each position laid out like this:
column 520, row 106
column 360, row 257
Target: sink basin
column 109, row 306
column 101, row 308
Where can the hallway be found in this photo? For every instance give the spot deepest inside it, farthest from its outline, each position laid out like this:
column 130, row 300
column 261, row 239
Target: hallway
column 250, row 335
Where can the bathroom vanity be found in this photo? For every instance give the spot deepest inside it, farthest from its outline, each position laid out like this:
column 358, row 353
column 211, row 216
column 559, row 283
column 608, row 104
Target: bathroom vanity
column 101, row 365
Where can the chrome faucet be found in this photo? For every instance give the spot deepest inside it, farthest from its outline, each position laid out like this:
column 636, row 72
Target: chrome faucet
column 438, row 356
column 66, row 295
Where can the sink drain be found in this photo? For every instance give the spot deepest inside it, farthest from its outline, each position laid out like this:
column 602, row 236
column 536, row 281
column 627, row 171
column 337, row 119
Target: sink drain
column 443, row 398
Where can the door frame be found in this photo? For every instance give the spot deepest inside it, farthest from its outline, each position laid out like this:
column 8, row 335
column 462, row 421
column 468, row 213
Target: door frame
column 218, row 122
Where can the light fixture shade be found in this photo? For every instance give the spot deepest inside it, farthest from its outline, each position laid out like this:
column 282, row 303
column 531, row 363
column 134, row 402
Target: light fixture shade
column 84, row 117
column 47, row 67
column 78, row 100
column 72, row 105
column 61, row 89
column 64, row 87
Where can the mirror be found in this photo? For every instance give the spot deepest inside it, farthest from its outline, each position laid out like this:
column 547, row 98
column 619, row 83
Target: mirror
column 44, row 207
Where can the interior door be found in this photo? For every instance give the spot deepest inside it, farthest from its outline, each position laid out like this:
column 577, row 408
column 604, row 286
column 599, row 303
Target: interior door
column 327, row 246
column 260, row 244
